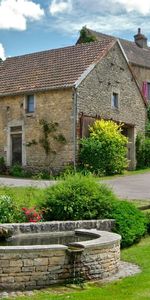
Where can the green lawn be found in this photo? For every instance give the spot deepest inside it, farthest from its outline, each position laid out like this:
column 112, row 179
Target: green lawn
column 139, row 203
column 24, row 196
column 136, row 287
column 126, row 173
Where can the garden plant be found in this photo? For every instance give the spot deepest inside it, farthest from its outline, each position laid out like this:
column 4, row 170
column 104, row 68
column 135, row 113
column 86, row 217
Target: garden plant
column 104, row 151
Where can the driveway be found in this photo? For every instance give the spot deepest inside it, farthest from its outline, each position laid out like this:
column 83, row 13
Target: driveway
column 126, row 187
column 16, row 182
column 131, row 187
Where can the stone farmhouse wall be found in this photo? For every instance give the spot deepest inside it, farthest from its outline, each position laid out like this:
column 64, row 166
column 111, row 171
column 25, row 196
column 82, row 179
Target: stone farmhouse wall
column 94, row 96
column 141, row 73
column 55, row 106
column 112, row 75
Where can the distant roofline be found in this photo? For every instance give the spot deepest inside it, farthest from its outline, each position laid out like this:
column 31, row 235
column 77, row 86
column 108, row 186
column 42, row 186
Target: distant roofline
column 112, row 36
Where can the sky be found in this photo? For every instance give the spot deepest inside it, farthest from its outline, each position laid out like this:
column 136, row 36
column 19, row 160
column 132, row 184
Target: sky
column 28, row 26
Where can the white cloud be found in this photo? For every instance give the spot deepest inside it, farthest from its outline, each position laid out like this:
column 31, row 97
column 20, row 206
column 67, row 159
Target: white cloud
column 140, row 6
column 107, row 24
column 2, row 52
column 115, row 17
column 14, row 14
column 60, row 6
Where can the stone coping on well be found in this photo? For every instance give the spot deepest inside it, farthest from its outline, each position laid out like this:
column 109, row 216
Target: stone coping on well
column 33, row 247
column 104, row 238
column 58, row 226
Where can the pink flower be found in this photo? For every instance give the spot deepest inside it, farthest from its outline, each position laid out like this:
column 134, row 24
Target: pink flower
column 32, row 215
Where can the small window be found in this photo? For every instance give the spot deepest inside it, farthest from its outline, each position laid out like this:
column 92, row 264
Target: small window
column 148, row 90
column 30, row 104
column 114, row 102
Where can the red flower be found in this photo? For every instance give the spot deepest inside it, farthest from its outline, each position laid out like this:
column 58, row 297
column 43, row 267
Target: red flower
column 32, row 215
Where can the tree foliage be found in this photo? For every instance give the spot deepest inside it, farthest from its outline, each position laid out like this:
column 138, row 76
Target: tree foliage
column 85, row 36
column 104, row 151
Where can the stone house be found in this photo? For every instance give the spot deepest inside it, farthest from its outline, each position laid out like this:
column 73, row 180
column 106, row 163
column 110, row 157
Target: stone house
column 137, row 54
column 70, row 87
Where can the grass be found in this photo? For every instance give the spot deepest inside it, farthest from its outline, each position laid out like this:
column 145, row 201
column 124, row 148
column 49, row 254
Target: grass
column 139, row 203
column 126, row 173
column 131, row 288
column 24, row 196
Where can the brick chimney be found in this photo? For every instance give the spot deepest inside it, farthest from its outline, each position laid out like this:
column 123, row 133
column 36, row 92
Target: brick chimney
column 140, row 39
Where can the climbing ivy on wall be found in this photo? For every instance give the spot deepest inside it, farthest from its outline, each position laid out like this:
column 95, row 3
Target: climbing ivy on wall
column 49, row 135
column 50, row 139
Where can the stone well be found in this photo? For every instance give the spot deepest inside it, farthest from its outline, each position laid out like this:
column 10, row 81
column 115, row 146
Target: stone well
column 35, row 267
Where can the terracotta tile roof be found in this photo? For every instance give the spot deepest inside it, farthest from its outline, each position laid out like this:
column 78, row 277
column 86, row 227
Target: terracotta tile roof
column 135, row 54
column 59, row 68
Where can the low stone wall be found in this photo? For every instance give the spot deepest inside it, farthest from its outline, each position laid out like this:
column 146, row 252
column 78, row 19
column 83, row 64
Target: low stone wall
column 58, row 226
column 35, row 267
column 100, row 258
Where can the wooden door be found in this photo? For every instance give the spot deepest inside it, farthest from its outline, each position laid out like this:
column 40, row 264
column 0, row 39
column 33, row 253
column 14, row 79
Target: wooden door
column 16, row 149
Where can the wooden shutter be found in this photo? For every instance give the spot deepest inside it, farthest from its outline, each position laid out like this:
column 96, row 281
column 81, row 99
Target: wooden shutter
column 86, row 122
column 145, row 89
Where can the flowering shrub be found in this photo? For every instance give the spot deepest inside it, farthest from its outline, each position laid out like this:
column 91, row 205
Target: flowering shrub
column 8, row 210
column 104, row 151
column 31, row 215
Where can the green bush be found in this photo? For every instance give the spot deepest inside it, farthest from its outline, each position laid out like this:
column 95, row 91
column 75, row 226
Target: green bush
column 2, row 165
column 75, row 198
column 147, row 214
column 104, row 152
column 17, row 171
column 142, row 152
column 79, row 197
column 131, row 223
column 8, row 212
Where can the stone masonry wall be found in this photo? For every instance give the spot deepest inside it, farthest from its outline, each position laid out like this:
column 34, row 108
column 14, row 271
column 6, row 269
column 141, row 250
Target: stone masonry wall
column 110, row 75
column 59, row 226
column 55, row 106
column 32, row 268
column 141, row 73
column 99, row 262
column 94, row 97
column 35, row 267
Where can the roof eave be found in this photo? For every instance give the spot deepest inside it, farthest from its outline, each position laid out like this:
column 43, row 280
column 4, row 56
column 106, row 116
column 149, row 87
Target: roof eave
column 127, row 61
column 38, row 90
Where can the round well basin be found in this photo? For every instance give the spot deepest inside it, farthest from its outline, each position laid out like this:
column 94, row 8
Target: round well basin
column 37, row 266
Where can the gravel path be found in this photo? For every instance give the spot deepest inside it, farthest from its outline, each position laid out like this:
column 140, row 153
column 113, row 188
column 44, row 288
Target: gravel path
column 126, row 187
column 131, row 187
column 17, row 182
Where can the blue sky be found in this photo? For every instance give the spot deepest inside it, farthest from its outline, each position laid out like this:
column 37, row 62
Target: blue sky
column 33, row 25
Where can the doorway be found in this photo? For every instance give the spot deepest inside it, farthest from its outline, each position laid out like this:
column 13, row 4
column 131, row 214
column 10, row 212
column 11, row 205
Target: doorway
column 16, row 145
column 16, row 140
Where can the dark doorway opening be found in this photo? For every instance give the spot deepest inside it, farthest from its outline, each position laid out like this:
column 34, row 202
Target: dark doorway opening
column 16, row 148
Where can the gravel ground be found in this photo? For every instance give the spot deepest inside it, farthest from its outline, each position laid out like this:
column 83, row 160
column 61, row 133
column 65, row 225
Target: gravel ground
column 131, row 187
